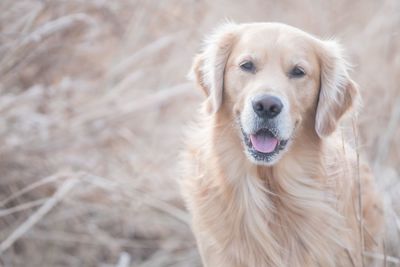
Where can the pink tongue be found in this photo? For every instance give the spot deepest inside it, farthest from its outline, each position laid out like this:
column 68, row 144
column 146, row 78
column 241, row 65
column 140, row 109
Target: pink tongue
column 263, row 143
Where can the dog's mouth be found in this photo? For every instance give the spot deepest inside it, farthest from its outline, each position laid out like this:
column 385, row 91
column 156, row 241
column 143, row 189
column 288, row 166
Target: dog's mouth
column 264, row 144
column 264, row 141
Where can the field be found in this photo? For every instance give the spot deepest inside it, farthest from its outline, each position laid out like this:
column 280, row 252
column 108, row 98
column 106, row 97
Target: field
column 94, row 100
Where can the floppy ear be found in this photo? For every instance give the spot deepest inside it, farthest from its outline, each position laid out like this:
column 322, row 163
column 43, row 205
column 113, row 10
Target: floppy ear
column 209, row 66
column 338, row 93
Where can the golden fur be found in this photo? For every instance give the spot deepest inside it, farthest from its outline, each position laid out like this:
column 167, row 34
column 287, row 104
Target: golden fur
column 302, row 209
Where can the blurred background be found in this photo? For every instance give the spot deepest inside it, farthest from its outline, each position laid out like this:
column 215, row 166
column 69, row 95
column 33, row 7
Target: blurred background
column 94, row 100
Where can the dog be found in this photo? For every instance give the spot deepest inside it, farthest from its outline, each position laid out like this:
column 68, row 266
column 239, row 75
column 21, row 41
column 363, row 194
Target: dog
column 268, row 177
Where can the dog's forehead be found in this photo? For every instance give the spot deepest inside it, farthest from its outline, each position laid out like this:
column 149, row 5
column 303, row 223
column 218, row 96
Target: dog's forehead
column 259, row 39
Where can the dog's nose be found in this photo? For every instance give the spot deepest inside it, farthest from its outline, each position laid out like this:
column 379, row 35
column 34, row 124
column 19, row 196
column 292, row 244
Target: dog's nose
column 267, row 106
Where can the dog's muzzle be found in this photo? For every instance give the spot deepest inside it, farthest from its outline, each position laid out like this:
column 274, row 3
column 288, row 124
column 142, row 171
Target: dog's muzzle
column 263, row 138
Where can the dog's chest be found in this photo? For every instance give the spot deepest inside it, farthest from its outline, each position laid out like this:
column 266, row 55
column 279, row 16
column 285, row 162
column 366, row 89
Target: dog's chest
column 258, row 227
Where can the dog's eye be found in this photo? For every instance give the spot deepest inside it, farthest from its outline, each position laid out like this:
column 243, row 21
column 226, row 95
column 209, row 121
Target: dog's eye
column 297, row 72
column 248, row 66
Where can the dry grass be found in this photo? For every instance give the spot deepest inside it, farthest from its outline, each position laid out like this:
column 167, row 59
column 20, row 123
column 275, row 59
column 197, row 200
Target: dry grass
column 93, row 98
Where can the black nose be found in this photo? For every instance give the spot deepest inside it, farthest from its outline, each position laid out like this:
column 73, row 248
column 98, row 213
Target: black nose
column 267, row 106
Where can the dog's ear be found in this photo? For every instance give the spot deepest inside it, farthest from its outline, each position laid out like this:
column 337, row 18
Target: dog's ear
column 209, row 66
column 337, row 93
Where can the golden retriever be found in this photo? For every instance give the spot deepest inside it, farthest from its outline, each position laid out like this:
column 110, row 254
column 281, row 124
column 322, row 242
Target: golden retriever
column 268, row 179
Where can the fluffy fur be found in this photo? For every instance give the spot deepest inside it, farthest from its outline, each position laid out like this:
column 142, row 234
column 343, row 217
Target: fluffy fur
column 302, row 209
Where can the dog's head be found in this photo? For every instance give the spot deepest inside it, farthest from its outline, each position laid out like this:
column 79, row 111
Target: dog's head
column 274, row 81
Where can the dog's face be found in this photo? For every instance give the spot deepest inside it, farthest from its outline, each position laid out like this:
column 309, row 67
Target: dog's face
column 272, row 79
column 271, row 82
